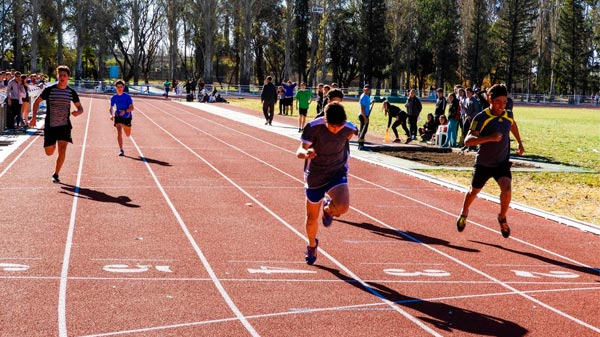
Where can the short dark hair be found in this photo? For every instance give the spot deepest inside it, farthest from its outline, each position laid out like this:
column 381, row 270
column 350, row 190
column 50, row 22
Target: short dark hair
column 119, row 82
column 335, row 114
column 497, row 90
column 63, row 68
column 335, row 92
column 269, row 78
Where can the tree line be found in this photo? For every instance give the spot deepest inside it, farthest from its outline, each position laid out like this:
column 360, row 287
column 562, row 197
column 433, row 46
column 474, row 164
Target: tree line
column 537, row 46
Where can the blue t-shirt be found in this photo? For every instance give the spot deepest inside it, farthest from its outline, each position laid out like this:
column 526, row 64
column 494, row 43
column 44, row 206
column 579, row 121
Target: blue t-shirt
column 289, row 89
column 365, row 101
column 122, row 102
column 493, row 154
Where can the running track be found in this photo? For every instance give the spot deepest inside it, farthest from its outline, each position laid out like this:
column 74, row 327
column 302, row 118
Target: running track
column 198, row 231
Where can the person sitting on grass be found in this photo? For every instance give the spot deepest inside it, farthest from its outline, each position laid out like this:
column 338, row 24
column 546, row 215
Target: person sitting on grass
column 428, row 129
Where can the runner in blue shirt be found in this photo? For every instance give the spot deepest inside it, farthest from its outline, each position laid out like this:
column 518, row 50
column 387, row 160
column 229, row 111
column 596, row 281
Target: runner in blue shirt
column 122, row 114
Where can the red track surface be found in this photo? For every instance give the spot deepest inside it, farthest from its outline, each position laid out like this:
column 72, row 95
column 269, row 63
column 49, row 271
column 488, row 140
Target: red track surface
column 198, row 231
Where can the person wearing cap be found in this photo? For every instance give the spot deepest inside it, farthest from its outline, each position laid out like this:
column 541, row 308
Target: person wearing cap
column 366, row 104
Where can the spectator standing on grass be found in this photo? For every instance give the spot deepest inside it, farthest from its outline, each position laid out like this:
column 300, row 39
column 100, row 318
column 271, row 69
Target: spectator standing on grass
column 440, row 105
column 268, row 97
column 413, row 109
column 281, row 99
column 303, row 97
column 25, row 104
column 472, row 108
column 167, row 86
column 289, row 97
column 394, row 112
column 366, row 104
column 57, row 129
column 325, row 150
column 453, row 120
column 326, row 90
column 121, row 108
column 320, row 98
column 13, row 99
column 491, row 130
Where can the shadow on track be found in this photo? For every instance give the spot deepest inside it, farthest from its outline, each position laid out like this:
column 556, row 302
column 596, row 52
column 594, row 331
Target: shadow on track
column 407, row 236
column 97, row 195
column 574, row 267
column 443, row 316
column 150, row 161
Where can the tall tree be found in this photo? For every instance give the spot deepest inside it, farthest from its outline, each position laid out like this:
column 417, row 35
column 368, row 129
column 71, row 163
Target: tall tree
column 35, row 30
column 574, row 47
column 476, row 61
column 401, row 16
column 375, row 58
column 344, row 59
column 514, row 43
column 300, row 50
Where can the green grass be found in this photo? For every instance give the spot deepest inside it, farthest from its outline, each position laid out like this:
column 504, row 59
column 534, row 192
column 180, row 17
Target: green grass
column 564, row 135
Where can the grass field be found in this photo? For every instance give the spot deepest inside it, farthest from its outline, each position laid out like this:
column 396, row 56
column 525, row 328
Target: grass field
column 565, row 135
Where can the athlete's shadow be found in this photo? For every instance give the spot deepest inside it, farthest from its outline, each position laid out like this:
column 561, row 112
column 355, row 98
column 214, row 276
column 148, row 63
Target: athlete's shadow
column 443, row 316
column 407, row 236
column 574, row 267
column 97, row 195
column 150, row 160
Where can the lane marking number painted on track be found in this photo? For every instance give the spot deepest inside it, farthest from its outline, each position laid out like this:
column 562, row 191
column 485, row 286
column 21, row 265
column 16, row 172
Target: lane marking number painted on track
column 140, row 268
column 553, row 273
column 12, row 267
column 426, row 272
column 277, row 270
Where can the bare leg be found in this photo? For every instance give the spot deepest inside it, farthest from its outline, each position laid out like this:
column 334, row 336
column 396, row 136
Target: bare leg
column 505, row 195
column 312, row 221
column 340, row 200
column 469, row 198
column 120, row 135
column 62, row 154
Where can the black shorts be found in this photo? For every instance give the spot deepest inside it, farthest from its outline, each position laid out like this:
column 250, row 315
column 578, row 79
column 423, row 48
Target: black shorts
column 288, row 101
column 302, row 111
column 482, row 174
column 54, row 134
column 121, row 120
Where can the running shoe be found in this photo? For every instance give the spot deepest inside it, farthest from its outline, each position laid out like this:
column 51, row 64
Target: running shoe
column 311, row 254
column 55, row 178
column 461, row 222
column 504, row 229
column 327, row 218
column 121, row 153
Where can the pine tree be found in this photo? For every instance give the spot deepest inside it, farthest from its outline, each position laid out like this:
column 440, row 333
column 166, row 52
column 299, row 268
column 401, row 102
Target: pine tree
column 573, row 49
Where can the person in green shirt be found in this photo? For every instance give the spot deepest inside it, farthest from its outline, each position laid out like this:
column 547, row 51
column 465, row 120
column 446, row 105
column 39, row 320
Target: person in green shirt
column 303, row 97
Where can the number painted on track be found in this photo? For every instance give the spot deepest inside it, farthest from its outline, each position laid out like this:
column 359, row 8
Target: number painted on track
column 12, row 267
column 426, row 272
column 140, row 268
column 554, row 273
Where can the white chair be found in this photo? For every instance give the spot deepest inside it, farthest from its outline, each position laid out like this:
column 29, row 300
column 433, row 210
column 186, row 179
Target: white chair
column 440, row 135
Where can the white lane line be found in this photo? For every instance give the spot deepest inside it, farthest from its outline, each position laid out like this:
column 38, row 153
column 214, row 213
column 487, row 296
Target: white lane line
column 62, row 292
column 464, row 264
column 345, row 269
column 18, row 156
column 301, row 311
column 189, row 236
column 391, row 190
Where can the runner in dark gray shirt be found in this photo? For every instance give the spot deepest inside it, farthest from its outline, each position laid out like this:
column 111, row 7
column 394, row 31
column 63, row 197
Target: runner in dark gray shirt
column 325, row 149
